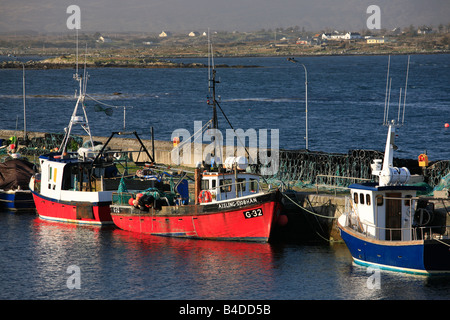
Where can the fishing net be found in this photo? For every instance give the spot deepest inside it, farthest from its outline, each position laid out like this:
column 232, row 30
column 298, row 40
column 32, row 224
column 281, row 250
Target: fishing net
column 41, row 145
column 443, row 184
column 307, row 169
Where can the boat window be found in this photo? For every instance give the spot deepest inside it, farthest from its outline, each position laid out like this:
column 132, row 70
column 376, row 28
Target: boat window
column 361, row 198
column 253, row 185
column 205, row 184
column 379, row 200
column 355, row 198
column 240, row 184
column 408, row 200
column 213, row 187
column 226, row 185
column 368, row 199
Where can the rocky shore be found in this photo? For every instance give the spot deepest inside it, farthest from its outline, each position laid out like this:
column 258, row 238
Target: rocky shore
column 69, row 62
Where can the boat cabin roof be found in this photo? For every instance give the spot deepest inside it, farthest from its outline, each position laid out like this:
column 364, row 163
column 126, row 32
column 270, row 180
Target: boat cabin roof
column 57, row 157
column 372, row 186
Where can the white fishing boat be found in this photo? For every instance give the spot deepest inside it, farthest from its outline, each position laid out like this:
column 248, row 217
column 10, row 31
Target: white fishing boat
column 387, row 225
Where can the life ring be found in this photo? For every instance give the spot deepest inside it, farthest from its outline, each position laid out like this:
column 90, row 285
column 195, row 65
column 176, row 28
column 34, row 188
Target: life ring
column 422, row 217
column 204, row 196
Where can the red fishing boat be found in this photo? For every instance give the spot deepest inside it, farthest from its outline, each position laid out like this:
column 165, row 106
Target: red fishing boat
column 229, row 203
column 71, row 185
column 228, row 206
column 66, row 189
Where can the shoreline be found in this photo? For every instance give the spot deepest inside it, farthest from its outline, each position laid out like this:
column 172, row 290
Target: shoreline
column 164, row 62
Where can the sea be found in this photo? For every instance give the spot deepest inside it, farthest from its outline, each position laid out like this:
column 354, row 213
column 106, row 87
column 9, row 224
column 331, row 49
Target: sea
column 347, row 104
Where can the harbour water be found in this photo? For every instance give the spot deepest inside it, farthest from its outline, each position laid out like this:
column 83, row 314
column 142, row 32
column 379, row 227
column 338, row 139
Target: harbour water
column 37, row 258
column 346, row 101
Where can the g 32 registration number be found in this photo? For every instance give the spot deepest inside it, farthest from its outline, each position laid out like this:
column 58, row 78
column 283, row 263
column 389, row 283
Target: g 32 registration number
column 253, row 213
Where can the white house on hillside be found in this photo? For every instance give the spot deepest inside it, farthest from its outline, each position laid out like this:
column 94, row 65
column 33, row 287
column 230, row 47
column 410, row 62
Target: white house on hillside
column 103, row 39
column 352, row 35
column 340, row 36
column 165, row 34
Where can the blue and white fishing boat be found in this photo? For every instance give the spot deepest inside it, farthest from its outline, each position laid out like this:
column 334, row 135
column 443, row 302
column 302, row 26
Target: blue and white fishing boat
column 387, row 226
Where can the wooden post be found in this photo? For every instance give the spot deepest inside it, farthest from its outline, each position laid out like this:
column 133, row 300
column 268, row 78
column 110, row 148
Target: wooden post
column 198, row 184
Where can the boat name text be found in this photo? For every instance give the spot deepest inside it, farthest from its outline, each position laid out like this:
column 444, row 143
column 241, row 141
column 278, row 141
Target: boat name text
column 237, row 203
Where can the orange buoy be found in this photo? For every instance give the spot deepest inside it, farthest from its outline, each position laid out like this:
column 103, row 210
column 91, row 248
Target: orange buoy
column 447, row 125
column 176, row 141
column 282, row 220
column 423, row 160
column 130, row 201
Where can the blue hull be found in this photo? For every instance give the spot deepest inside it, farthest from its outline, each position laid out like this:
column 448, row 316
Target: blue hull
column 18, row 200
column 416, row 257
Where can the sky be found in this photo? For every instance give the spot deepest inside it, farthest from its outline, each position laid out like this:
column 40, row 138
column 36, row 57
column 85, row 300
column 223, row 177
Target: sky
column 218, row 15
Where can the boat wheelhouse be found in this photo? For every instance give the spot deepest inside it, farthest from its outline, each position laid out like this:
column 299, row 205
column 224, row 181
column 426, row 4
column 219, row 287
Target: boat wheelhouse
column 70, row 190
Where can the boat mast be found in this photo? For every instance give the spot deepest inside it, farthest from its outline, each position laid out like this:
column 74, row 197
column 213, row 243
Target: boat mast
column 212, row 90
column 212, row 82
column 82, row 80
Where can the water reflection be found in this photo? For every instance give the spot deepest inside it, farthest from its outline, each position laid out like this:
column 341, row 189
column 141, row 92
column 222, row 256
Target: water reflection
column 206, row 269
column 117, row 264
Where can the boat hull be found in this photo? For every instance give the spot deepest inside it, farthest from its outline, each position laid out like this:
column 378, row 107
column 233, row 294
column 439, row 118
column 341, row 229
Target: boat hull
column 16, row 200
column 79, row 212
column 416, row 257
column 249, row 219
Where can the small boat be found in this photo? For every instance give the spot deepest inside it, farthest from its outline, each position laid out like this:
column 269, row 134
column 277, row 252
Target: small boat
column 387, row 226
column 68, row 187
column 229, row 203
column 15, row 173
column 15, row 176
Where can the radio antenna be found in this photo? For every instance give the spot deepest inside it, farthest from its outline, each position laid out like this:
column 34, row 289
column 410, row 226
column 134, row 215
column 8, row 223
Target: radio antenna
column 406, row 86
column 386, row 96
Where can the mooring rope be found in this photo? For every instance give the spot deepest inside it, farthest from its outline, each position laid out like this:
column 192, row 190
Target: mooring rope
column 309, row 211
column 448, row 245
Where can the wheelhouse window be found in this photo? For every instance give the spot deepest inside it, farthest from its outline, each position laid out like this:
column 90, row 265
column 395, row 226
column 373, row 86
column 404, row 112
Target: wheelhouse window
column 368, row 199
column 205, row 185
column 379, row 199
column 225, row 185
column 355, row 198
column 241, row 185
column 361, row 198
column 253, row 185
column 408, row 200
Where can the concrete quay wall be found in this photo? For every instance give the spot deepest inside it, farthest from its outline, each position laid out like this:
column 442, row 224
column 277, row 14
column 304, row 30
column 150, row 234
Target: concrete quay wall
column 162, row 149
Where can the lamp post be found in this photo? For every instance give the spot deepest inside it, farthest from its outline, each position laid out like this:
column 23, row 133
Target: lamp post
column 25, row 138
column 306, row 96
